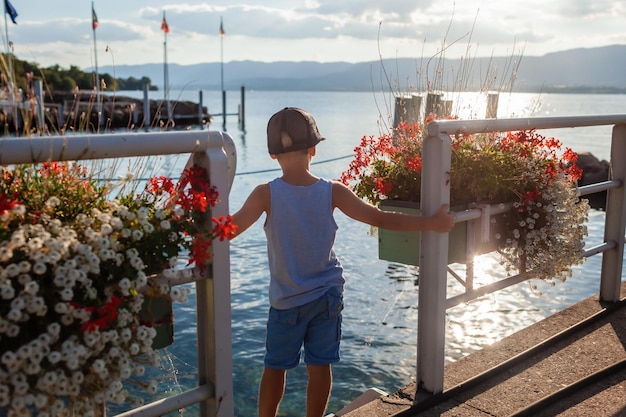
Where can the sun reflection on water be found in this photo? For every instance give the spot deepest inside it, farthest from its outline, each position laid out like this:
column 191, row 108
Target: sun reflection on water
column 487, row 319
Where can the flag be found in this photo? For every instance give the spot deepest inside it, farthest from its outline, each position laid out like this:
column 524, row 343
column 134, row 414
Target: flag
column 94, row 18
column 221, row 27
column 164, row 27
column 8, row 8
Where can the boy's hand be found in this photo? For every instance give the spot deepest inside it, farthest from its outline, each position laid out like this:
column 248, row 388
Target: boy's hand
column 443, row 220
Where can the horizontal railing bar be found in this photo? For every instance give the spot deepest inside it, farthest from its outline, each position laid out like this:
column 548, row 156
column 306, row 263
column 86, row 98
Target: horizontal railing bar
column 599, row 248
column 475, row 213
column 169, row 404
column 103, row 146
column 484, row 290
column 516, row 279
column 181, row 279
column 452, row 127
column 598, row 186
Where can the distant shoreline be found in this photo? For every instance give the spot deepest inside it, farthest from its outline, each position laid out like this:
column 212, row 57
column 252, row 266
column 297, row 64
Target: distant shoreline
column 544, row 90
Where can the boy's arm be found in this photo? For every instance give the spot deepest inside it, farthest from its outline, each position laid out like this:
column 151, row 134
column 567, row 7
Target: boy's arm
column 350, row 204
column 256, row 204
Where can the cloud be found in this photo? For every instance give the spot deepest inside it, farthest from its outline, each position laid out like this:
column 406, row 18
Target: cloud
column 323, row 30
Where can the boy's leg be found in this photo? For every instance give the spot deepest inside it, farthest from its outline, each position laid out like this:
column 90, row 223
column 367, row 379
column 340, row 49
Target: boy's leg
column 318, row 389
column 271, row 391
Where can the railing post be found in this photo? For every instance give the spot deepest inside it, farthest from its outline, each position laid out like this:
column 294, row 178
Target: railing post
column 431, row 318
column 612, row 260
column 213, row 293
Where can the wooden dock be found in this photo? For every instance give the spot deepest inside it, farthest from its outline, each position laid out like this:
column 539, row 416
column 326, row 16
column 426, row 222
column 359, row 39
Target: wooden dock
column 571, row 364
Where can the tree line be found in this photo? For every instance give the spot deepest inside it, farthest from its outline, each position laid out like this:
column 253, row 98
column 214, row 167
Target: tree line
column 56, row 78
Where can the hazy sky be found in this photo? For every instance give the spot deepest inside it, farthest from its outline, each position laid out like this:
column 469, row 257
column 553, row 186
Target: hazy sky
column 129, row 31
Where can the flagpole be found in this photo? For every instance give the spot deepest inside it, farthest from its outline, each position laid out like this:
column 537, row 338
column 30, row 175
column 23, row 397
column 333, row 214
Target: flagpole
column 6, row 31
column 222, row 73
column 10, row 58
column 95, row 55
column 165, row 72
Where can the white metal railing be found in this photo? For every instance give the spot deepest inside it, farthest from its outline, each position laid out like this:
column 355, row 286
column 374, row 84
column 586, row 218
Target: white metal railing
column 433, row 301
column 216, row 152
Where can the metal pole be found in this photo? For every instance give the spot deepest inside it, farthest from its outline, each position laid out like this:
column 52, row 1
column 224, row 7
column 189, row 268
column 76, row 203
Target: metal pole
column 95, row 57
column 213, row 294
column 612, row 260
column 431, row 316
column 40, row 105
column 11, row 86
column 146, row 107
column 222, row 73
column 200, row 113
column 242, row 112
column 166, row 80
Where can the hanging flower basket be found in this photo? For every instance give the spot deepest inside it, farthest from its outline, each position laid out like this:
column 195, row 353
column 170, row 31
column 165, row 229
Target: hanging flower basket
column 542, row 235
column 80, row 313
column 404, row 247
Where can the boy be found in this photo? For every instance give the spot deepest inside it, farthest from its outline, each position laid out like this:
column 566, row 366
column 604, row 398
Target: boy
column 306, row 279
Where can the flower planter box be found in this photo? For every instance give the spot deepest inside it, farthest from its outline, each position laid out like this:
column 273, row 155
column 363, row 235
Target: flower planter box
column 404, row 247
column 157, row 312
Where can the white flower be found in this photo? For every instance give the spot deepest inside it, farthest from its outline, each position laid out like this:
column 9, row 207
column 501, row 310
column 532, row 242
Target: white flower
column 134, row 349
column 125, row 285
column 19, row 210
column 152, row 387
column 9, row 358
column 6, row 291
column 31, row 287
column 14, row 314
column 67, row 294
column 137, row 234
column 6, row 253
column 54, row 357
column 176, row 293
column 35, row 243
column 141, row 280
column 106, row 229
column 39, row 268
column 12, row 270
column 52, row 202
column 126, row 334
column 143, row 213
column 67, row 320
column 24, row 267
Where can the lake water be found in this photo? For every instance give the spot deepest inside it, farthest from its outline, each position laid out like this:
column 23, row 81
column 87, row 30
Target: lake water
column 380, row 318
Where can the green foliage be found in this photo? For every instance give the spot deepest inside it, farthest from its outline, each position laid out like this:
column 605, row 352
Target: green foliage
column 56, row 78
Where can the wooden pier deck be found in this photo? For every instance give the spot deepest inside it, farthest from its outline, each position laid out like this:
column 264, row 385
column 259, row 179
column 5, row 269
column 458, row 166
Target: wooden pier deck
column 570, row 364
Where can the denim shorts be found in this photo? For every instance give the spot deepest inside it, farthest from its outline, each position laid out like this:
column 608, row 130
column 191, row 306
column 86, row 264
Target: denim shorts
column 316, row 325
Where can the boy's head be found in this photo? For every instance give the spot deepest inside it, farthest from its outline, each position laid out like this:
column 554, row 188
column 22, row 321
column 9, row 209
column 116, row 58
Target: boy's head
column 291, row 129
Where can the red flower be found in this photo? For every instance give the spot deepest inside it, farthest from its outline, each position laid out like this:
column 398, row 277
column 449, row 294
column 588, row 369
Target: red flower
column 107, row 314
column 224, row 227
column 200, row 253
column 383, row 185
column 158, row 184
column 7, row 204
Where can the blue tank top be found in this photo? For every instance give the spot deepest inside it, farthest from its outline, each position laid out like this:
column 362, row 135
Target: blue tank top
column 300, row 233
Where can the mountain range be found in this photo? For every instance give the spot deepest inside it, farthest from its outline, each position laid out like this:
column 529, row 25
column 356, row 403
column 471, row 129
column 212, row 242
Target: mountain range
column 582, row 70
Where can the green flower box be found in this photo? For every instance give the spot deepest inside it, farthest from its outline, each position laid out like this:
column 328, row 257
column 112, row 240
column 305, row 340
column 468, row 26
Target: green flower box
column 404, row 247
column 157, row 312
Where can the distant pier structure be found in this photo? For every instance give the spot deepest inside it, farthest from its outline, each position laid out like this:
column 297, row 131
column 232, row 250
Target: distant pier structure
column 79, row 111
column 241, row 110
column 408, row 107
